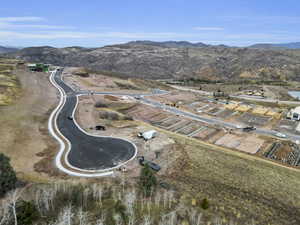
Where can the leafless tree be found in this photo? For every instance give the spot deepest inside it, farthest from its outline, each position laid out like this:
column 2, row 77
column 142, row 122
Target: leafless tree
column 82, row 216
column 118, row 219
column 86, row 194
column 157, row 198
column 129, row 199
column 123, row 182
column 12, row 199
column 199, row 219
column 147, row 220
column 165, row 198
column 170, row 198
column 101, row 220
column 4, row 213
column 97, row 193
column 65, row 217
column 193, row 216
column 217, row 221
column 132, row 219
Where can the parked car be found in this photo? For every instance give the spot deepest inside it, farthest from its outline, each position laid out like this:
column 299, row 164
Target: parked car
column 152, row 165
column 280, row 135
column 249, row 128
column 70, row 117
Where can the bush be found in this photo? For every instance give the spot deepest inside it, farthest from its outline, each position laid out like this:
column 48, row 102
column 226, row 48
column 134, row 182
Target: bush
column 100, row 104
column 128, row 117
column 8, row 177
column 109, row 115
column 27, row 213
column 205, row 204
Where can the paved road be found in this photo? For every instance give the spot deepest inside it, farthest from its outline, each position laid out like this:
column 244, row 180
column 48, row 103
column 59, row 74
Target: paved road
column 213, row 121
column 89, row 152
column 267, row 100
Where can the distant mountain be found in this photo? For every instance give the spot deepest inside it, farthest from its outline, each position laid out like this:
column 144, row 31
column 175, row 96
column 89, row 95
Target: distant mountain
column 7, row 49
column 294, row 45
column 161, row 60
column 169, row 44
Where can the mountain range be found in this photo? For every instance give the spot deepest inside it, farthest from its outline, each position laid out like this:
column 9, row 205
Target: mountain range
column 8, row 49
column 293, row 45
column 177, row 60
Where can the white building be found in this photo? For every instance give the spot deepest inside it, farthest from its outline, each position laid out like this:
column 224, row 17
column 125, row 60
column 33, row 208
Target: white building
column 294, row 114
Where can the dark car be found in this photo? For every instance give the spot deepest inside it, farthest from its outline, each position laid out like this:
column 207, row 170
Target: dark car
column 249, row 128
column 152, row 165
column 70, row 117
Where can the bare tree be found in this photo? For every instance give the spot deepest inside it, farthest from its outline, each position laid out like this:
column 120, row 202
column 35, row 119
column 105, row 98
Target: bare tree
column 199, row 219
column 86, row 194
column 97, row 193
column 13, row 198
column 82, row 216
column 129, row 199
column 157, row 198
column 4, row 213
column 147, row 220
column 193, row 216
column 170, row 198
column 101, row 220
column 65, row 217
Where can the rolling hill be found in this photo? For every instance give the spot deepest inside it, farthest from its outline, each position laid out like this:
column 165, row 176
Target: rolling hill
column 294, row 45
column 7, row 49
column 177, row 60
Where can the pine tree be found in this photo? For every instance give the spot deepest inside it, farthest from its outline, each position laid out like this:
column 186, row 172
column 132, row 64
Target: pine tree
column 8, row 178
column 148, row 180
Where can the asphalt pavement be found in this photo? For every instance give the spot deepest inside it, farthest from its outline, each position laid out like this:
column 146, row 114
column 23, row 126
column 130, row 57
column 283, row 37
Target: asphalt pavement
column 215, row 121
column 89, row 152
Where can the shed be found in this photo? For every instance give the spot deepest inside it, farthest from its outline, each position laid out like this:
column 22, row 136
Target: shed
column 148, row 134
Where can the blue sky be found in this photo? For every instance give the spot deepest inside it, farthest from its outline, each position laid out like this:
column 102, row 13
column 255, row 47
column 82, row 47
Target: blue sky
column 94, row 23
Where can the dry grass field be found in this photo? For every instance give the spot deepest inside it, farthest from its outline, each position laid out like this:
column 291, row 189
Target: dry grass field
column 238, row 186
column 23, row 131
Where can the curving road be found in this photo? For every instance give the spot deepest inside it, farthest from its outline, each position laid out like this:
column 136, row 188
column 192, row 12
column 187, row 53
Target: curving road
column 87, row 152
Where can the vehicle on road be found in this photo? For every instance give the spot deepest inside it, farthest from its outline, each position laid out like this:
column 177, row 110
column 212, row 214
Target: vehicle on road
column 70, row 117
column 249, row 128
column 280, row 135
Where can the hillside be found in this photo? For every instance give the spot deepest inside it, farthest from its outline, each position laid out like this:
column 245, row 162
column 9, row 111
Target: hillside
column 294, row 45
column 154, row 60
column 7, row 49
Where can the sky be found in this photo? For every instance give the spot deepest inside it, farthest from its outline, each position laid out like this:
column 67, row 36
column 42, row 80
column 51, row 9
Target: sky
column 95, row 23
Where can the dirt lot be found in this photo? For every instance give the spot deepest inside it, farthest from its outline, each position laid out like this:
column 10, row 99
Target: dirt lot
column 98, row 82
column 157, row 150
column 249, row 144
column 23, row 130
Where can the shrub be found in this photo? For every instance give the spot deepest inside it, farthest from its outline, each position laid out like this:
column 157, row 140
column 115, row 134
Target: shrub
column 8, row 177
column 127, row 117
column 205, row 204
column 27, row 213
column 109, row 115
column 100, row 104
